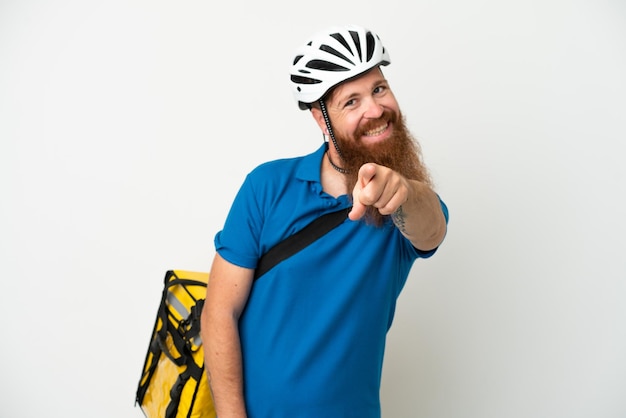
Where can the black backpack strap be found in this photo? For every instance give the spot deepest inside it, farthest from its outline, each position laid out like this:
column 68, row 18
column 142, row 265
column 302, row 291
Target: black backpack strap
column 191, row 371
column 300, row 240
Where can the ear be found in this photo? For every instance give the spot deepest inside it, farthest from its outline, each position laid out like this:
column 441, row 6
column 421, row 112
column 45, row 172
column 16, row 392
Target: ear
column 319, row 118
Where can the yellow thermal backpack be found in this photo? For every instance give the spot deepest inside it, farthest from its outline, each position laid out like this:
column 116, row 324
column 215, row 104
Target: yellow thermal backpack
column 174, row 383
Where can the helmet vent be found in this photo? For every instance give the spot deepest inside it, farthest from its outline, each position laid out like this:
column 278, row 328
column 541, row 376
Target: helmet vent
column 371, row 44
column 325, row 65
column 336, row 53
column 339, row 37
column 357, row 42
column 304, row 80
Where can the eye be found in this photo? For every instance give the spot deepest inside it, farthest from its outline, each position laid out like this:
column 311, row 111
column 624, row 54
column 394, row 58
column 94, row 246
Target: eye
column 379, row 89
column 349, row 103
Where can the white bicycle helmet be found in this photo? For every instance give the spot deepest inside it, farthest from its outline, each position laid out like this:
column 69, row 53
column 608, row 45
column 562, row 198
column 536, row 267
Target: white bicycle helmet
column 331, row 57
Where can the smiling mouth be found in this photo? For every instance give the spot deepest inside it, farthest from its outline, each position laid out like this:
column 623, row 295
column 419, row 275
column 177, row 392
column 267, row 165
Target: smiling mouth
column 376, row 131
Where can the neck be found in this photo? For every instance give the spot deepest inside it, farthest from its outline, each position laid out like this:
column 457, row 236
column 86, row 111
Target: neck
column 333, row 180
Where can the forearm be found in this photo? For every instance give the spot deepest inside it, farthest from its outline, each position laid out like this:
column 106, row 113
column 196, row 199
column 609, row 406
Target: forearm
column 222, row 351
column 420, row 218
column 227, row 292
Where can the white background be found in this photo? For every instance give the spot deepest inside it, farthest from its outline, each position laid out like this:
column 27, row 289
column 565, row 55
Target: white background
column 126, row 128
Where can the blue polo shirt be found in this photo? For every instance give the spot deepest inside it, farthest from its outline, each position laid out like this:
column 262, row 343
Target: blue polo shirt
column 313, row 330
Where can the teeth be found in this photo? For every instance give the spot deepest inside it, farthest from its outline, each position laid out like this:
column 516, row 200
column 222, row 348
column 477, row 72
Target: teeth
column 376, row 131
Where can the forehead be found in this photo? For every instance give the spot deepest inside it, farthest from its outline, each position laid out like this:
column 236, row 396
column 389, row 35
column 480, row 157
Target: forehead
column 353, row 86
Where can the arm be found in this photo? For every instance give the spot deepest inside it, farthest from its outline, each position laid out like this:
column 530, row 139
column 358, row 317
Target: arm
column 227, row 293
column 413, row 206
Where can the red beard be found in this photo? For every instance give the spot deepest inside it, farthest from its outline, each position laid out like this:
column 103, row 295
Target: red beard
column 400, row 152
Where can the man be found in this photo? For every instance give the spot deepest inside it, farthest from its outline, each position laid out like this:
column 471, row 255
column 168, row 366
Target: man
column 307, row 339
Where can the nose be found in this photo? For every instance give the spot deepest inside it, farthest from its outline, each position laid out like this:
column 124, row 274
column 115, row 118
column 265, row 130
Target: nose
column 372, row 109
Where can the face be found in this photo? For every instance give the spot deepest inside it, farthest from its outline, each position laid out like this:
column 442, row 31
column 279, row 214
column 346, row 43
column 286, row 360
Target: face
column 363, row 109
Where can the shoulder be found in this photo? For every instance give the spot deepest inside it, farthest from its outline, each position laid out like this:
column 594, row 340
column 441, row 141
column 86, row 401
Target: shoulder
column 275, row 167
column 272, row 174
column 305, row 167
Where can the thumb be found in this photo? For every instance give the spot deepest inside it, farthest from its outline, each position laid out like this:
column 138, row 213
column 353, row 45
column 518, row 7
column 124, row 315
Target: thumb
column 366, row 174
column 358, row 208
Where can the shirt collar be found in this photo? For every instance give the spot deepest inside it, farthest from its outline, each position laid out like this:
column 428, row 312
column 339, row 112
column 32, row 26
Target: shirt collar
column 311, row 165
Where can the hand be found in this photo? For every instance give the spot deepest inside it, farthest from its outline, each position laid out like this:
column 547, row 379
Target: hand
column 380, row 187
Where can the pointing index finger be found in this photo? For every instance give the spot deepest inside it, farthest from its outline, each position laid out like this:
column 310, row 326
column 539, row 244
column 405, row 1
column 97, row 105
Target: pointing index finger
column 367, row 173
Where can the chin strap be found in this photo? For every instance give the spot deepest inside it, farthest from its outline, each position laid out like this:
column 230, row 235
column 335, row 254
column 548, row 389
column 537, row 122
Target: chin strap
column 330, row 128
column 332, row 137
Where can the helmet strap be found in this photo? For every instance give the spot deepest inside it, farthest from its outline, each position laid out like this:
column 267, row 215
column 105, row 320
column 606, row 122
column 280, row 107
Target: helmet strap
column 332, row 137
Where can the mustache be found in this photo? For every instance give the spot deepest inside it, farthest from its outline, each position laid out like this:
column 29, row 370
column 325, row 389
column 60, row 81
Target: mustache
column 387, row 116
